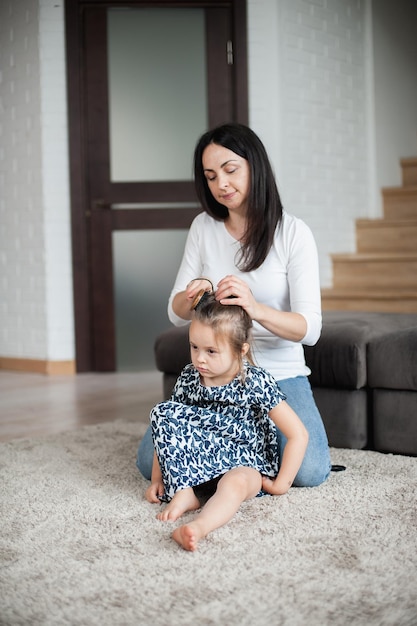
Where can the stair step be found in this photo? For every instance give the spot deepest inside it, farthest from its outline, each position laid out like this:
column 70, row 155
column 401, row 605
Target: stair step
column 400, row 202
column 386, row 301
column 382, row 275
column 393, row 271
column 381, row 235
column 409, row 171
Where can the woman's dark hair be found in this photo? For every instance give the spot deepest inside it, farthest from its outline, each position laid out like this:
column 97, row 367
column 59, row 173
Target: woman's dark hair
column 265, row 208
column 231, row 322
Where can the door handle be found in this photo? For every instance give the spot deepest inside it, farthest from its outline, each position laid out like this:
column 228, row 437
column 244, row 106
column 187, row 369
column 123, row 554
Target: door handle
column 99, row 203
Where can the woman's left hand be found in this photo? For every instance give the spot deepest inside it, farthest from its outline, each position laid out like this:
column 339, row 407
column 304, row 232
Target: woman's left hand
column 233, row 290
column 286, row 324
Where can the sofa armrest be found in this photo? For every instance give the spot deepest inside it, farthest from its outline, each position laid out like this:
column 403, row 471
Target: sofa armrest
column 172, row 350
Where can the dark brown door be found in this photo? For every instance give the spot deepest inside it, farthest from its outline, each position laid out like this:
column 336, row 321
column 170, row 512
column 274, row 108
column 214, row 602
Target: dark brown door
column 94, row 193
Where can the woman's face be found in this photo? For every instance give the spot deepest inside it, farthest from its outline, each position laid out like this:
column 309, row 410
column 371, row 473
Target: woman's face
column 228, row 177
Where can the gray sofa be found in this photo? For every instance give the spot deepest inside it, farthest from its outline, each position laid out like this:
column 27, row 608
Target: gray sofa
column 364, row 377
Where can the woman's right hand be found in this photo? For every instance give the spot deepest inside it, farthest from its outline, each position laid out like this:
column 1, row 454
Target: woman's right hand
column 182, row 302
column 196, row 285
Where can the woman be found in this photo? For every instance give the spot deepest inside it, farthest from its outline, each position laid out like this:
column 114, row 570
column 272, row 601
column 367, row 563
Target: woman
column 259, row 257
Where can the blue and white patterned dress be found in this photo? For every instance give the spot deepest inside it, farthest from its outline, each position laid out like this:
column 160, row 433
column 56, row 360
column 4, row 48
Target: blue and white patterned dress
column 203, row 432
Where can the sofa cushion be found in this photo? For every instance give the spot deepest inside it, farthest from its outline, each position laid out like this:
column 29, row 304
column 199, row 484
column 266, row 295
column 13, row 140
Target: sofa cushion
column 345, row 416
column 339, row 359
column 395, row 421
column 392, row 360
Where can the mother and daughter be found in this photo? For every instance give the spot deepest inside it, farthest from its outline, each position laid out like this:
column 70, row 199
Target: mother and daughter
column 232, row 430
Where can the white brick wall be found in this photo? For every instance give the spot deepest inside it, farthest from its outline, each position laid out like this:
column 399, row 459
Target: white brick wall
column 308, row 80
column 55, row 174
column 395, row 71
column 23, row 315
column 36, row 317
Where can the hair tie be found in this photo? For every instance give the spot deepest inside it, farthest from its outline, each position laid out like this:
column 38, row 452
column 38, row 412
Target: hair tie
column 202, row 278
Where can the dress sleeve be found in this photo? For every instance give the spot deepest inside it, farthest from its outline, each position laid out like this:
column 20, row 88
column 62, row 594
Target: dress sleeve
column 265, row 388
column 304, row 279
column 191, row 267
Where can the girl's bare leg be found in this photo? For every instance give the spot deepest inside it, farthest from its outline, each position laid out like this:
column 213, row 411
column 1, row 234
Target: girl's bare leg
column 236, row 486
column 183, row 501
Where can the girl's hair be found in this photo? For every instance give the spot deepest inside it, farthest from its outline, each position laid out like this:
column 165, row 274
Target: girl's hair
column 231, row 323
column 265, row 208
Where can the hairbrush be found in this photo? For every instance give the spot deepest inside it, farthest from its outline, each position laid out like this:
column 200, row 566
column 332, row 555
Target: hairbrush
column 199, row 299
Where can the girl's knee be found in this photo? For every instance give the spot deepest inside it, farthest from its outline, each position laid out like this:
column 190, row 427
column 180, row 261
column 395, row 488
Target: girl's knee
column 247, row 481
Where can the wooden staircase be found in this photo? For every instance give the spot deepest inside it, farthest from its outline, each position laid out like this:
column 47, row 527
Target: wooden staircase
column 382, row 274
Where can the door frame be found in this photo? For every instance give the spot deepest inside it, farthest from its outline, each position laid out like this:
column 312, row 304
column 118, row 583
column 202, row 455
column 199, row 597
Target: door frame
column 92, row 224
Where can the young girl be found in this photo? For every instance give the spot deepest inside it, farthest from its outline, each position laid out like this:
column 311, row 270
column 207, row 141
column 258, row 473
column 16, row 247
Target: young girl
column 216, row 436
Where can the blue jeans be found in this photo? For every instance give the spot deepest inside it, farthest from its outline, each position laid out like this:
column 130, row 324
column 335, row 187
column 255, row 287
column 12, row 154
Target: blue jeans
column 316, row 465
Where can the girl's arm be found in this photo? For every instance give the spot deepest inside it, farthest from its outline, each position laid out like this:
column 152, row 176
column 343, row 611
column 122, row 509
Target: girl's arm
column 157, row 486
column 296, row 433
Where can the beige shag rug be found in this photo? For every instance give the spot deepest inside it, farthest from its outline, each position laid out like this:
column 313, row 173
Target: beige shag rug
column 80, row 545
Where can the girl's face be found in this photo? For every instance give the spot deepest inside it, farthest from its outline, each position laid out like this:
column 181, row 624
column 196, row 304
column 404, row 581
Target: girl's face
column 228, row 177
column 212, row 356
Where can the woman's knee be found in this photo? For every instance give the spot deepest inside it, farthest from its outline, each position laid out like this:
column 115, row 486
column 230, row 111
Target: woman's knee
column 144, row 458
column 159, row 412
column 164, row 413
column 313, row 471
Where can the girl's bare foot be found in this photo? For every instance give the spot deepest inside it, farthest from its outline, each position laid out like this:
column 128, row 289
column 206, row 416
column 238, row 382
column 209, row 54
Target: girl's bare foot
column 183, row 501
column 188, row 536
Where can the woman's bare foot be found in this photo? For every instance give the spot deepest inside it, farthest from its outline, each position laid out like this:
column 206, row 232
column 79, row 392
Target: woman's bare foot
column 183, row 501
column 188, row 536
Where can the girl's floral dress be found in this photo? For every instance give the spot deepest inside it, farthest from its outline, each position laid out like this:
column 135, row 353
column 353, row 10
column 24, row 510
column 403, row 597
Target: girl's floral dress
column 203, row 432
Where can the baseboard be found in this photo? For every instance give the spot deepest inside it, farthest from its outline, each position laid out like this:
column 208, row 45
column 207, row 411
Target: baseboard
column 38, row 366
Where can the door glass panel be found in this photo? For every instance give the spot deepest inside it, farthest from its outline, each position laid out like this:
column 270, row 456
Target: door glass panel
column 157, row 92
column 145, row 266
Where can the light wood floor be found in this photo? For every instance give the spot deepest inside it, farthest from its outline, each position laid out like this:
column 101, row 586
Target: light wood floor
column 34, row 404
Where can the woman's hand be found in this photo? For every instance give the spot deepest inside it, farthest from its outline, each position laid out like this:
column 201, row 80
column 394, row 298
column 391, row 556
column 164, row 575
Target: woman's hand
column 195, row 286
column 286, row 324
column 232, row 290
column 183, row 300
column 155, row 491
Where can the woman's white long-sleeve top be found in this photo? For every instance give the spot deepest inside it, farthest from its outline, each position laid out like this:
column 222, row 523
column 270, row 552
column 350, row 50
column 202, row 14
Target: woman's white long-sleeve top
column 288, row 280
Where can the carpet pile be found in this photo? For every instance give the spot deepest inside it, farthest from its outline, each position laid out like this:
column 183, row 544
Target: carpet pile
column 81, row 546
